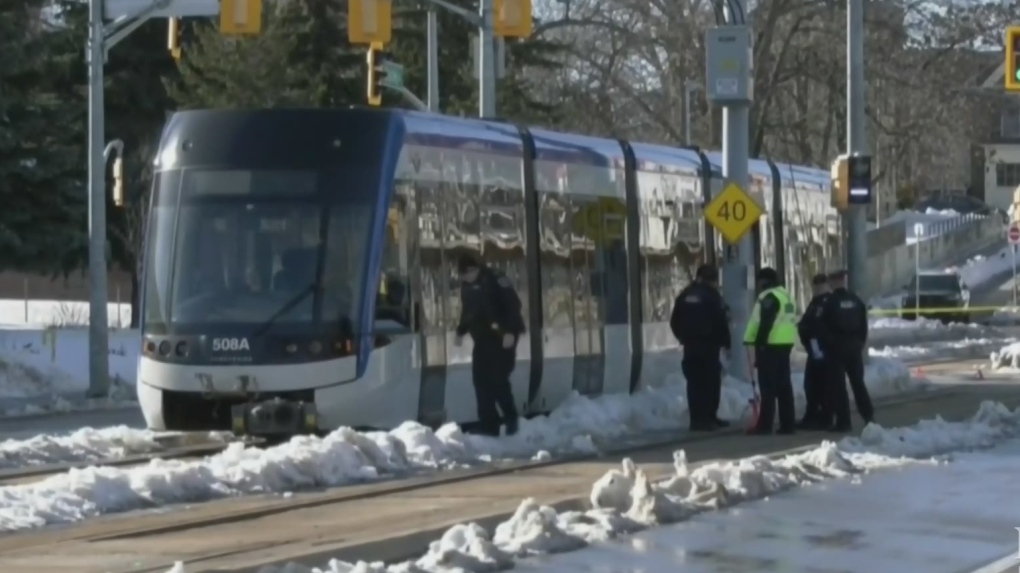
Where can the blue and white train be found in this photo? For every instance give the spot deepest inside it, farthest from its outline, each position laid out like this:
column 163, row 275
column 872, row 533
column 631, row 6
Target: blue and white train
column 299, row 264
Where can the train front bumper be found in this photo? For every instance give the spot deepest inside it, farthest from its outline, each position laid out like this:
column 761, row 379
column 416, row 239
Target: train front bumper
column 274, row 418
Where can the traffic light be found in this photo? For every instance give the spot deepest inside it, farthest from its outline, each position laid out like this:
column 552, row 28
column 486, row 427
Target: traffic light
column 173, row 40
column 240, row 17
column 376, row 72
column 1012, row 71
column 369, row 21
column 839, row 178
column 511, row 18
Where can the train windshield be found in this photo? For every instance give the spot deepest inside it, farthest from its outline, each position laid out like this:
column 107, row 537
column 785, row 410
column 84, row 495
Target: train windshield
column 255, row 250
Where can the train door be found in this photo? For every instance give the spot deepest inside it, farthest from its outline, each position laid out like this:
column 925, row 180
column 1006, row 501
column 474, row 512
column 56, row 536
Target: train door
column 586, row 268
column 431, row 286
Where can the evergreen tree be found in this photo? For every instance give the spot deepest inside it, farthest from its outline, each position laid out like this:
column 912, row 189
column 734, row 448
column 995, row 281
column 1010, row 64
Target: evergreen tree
column 43, row 218
column 301, row 58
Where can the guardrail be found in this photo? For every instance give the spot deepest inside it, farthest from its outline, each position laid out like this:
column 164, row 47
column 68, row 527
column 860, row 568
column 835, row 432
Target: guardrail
column 891, row 265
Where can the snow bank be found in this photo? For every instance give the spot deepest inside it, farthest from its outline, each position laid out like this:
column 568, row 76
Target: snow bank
column 896, row 331
column 84, row 445
column 626, row 500
column 44, row 371
column 1005, row 317
column 966, row 348
column 979, row 271
column 345, row 456
column 1007, row 358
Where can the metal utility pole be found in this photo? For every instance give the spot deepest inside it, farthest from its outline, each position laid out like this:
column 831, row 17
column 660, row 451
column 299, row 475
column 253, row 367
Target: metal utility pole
column 99, row 343
column 433, row 60
column 486, row 61
column 729, row 83
column 855, row 219
column 125, row 17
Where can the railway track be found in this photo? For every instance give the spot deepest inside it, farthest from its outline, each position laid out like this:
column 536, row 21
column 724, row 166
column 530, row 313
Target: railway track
column 247, row 528
column 177, row 447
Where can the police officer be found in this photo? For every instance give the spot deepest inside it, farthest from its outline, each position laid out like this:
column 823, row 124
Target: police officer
column 818, row 372
column 700, row 324
column 491, row 314
column 844, row 336
column 770, row 336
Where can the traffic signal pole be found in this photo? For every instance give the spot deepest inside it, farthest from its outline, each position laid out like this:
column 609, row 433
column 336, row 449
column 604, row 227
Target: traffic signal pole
column 486, row 61
column 730, row 84
column 855, row 218
column 125, row 16
column 433, row 60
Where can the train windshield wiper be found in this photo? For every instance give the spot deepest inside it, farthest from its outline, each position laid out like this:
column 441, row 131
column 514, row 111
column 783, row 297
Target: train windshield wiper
column 287, row 307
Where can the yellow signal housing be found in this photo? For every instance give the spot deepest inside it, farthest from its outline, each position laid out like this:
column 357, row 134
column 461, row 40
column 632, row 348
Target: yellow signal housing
column 1012, row 70
column 173, row 38
column 511, row 18
column 241, row 17
column 369, row 21
column 374, row 61
column 839, row 176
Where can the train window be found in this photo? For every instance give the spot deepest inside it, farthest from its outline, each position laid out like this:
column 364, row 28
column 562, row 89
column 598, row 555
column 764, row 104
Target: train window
column 393, row 305
column 554, row 235
column 661, row 277
column 433, row 279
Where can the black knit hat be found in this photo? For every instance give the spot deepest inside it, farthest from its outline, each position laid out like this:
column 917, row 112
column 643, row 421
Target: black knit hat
column 707, row 273
column 466, row 262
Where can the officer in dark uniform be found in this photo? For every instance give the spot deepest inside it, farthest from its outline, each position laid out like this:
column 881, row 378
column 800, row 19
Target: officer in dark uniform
column 818, row 371
column 770, row 336
column 699, row 322
column 491, row 314
column 844, row 336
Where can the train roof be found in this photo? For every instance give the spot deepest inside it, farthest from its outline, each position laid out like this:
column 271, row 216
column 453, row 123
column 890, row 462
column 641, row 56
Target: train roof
column 497, row 137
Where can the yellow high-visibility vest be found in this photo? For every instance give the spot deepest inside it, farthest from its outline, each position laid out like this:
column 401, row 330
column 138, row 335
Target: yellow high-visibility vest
column 784, row 331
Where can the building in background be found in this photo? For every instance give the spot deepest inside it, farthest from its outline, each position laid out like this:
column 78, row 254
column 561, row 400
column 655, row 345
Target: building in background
column 995, row 162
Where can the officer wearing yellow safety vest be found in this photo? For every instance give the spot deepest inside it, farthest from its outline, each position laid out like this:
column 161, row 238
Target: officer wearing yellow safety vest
column 769, row 338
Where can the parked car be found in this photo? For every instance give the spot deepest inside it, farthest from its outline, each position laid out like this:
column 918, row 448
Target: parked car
column 943, row 294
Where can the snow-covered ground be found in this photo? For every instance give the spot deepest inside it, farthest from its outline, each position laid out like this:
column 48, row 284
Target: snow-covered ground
column 37, row 314
column 903, row 520
column 346, row 456
column 626, row 502
column 47, row 370
column 962, row 349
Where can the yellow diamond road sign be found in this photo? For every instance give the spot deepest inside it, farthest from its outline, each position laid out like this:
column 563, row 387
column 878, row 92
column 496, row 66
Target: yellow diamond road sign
column 733, row 212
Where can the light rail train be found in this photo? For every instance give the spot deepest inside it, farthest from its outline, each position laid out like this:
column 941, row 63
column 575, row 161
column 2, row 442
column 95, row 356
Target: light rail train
column 299, row 269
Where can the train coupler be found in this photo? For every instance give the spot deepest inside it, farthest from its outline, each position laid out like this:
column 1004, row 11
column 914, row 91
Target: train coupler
column 274, row 418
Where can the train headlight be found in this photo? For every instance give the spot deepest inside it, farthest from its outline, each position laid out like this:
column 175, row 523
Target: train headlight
column 291, row 348
column 150, row 347
column 182, row 348
column 164, row 347
column 315, row 347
